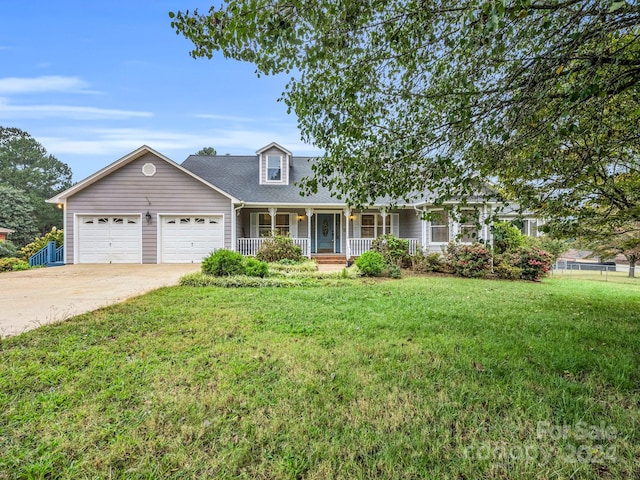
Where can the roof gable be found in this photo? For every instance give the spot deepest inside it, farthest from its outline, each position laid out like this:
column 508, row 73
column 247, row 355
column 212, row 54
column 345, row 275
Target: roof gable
column 143, row 150
column 273, row 145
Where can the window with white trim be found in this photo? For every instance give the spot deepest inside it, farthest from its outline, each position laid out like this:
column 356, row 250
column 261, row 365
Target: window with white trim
column 371, row 225
column 274, row 168
column 468, row 227
column 530, row 227
column 440, row 227
column 282, row 224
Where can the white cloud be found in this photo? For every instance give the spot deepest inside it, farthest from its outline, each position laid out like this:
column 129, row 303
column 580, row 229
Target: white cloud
column 49, row 83
column 12, row 111
column 211, row 116
column 175, row 144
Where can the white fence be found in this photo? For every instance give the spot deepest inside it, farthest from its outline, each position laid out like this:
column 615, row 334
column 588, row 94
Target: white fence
column 250, row 246
column 357, row 246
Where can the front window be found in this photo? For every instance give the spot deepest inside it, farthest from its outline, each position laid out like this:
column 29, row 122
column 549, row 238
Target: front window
column 274, row 168
column 529, row 228
column 264, row 224
column 468, row 228
column 371, row 225
column 440, row 227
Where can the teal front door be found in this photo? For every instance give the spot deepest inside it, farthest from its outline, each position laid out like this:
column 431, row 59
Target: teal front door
column 325, row 233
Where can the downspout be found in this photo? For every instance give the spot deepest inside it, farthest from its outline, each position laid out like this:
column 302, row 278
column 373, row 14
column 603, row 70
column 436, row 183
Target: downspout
column 234, row 233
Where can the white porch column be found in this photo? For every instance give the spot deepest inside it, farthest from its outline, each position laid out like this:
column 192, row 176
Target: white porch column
column 309, row 212
column 347, row 249
column 272, row 214
column 423, row 240
column 383, row 212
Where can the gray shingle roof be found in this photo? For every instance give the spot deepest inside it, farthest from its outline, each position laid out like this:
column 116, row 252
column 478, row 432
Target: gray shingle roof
column 239, row 177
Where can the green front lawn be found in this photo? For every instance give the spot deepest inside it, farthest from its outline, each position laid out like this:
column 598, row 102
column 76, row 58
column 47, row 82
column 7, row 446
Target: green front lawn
column 417, row 378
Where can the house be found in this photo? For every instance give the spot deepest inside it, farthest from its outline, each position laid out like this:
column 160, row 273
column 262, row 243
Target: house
column 4, row 232
column 145, row 208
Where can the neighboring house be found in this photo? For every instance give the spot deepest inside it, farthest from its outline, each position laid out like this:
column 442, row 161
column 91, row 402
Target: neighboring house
column 144, row 208
column 3, row 233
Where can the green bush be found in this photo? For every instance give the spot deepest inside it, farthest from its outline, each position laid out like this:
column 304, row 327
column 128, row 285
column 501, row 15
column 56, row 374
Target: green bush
column 534, row 262
column 432, row 262
column 395, row 251
column 289, row 266
column 255, row 268
column 39, row 243
column 469, row 260
column 223, row 262
column 392, row 271
column 7, row 249
column 503, row 269
column 198, row 279
column 278, row 248
column 506, row 237
column 554, row 246
column 12, row 264
column 371, row 264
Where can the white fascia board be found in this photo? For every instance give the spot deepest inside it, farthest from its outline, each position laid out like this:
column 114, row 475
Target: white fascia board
column 124, row 161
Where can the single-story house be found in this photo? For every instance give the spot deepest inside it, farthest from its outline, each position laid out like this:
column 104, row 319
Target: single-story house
column 145, row 208
column 4, row 232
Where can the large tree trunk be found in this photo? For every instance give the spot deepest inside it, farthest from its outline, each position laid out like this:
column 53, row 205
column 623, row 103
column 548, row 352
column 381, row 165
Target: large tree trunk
column 632, row 265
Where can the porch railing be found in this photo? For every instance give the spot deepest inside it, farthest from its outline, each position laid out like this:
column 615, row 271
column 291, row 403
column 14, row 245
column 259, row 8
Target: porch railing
column 357, row 246
column 49, row 256
column 250, row 246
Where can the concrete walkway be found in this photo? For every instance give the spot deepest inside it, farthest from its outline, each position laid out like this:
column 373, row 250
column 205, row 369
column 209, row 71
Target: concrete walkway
column 45, row 295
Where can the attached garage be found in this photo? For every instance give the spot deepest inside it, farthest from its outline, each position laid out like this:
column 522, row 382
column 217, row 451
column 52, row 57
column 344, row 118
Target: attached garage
column 190, row 238
column 109, row 238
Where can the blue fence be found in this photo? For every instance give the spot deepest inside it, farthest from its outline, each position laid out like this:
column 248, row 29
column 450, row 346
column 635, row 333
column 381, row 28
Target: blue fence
column 49, row 256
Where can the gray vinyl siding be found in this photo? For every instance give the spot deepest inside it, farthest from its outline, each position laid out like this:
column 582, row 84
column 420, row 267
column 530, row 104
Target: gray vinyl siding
column 410, row 224
column 263, row 166
column 128, row 191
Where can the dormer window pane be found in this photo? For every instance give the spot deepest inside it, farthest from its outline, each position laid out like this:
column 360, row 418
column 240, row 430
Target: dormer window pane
column 274, row 168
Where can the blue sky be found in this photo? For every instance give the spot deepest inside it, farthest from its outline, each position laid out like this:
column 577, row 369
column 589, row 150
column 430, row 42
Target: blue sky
column 94, row 80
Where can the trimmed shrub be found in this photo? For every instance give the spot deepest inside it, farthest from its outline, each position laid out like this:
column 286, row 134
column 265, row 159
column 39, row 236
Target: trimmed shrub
column 12, row 264
column 371, row 264
column 392, row 271
column 534, row 262
column 255, row 268
column 432, row 262
column 395, row 251
column 223, row 262
column 503, row 269
column 506, row 237
column 472, row 261
column 277, row 248
column 39, row 243
column 7, row 249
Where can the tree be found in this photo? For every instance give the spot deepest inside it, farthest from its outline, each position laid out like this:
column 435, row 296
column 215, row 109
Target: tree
column 439, row 95
column 16, row 213
column 210, row 151
column 626, row 243
column 25, row 165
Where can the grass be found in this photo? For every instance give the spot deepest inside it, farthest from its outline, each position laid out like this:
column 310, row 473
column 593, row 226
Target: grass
column 418, row 378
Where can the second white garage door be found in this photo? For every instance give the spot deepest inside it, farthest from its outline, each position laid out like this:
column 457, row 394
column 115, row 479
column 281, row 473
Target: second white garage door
column 189, row 239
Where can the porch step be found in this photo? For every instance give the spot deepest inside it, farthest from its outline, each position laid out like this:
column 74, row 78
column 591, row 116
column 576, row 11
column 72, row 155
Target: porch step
column 330, row 259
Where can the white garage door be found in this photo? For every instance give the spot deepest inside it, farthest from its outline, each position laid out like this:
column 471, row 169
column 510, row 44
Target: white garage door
column 110, row 239
column 189, row 239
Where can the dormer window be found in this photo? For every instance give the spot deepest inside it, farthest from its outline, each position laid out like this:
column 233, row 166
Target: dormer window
column 274, row 168
column 275, row 165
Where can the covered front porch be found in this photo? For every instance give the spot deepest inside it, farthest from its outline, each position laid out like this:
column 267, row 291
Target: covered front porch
column 325, row 231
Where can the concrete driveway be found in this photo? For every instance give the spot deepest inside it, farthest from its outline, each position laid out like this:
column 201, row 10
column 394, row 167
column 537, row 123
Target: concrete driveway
column 45, row 295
